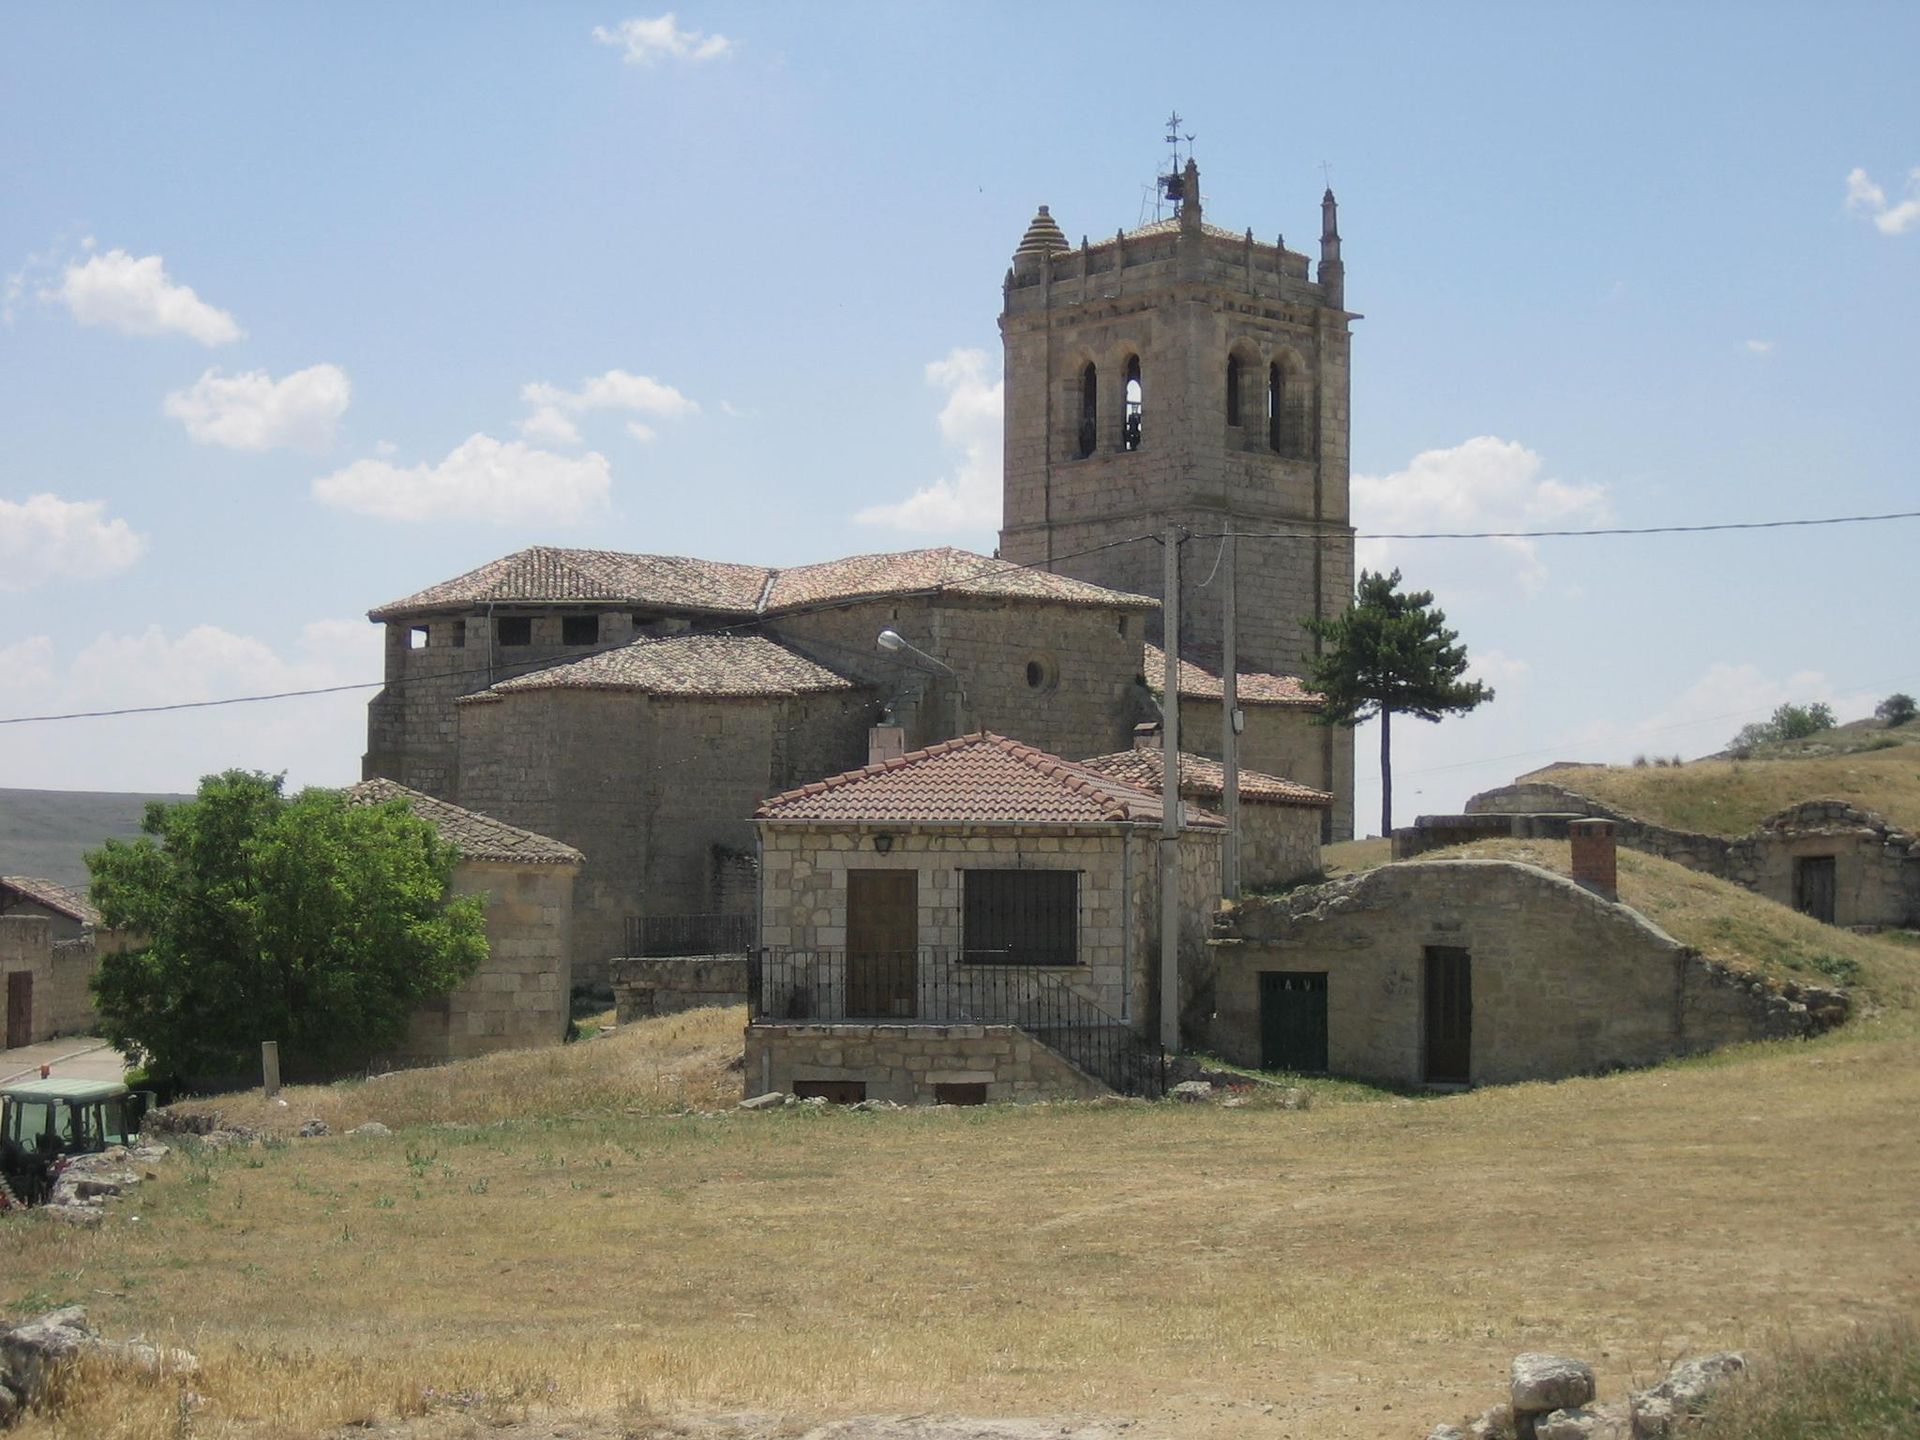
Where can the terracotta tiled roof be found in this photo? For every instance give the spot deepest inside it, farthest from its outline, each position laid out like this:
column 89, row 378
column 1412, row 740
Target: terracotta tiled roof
column 54, row 896
column 956, row 572
column 732, row 666
column 1205, row 779
column 1255, row 687
column 476, row 836
column 547, row 576
column 983, row 778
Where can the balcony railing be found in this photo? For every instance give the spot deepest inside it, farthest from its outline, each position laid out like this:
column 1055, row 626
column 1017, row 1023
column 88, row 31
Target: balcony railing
column 934, row 985
column 690, row 934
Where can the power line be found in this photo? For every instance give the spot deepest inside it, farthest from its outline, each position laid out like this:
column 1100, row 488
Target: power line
column 1316, row 532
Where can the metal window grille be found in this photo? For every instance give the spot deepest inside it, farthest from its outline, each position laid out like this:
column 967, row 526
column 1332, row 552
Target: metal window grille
column 1022, row 917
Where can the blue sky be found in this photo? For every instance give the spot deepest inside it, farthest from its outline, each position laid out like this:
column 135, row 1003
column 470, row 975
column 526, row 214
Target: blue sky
column 309, row 307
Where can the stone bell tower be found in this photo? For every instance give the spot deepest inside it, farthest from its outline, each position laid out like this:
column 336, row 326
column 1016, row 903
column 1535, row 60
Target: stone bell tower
column 1182, row 374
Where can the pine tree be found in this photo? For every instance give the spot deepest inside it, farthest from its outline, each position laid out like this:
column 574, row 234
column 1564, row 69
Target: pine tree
column 1390, row 653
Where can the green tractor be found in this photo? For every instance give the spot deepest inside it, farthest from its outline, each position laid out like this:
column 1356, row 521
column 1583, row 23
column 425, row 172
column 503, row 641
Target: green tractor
column 42, row 1122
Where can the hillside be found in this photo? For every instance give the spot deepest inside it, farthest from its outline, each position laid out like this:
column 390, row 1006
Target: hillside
column 45, row 832
column 1731, row 797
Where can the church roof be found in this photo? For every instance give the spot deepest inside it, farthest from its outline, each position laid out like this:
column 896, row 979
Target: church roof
column 1205, row 778
column 977, row 779
column 52, row 895
column 721, row 666
column 1254, row 687
column 544, row 575
column 475, row 836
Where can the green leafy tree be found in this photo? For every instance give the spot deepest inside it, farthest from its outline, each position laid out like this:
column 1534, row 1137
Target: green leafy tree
column 305, row 920
column 1390, row 654
column 1788, row 722
column 1896, row 709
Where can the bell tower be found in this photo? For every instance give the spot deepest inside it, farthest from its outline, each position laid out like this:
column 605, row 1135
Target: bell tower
column 1180, row 374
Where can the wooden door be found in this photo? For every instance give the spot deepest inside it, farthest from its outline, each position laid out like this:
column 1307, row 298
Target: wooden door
column 1449, row 1015
column 1813, row 886
column 19, row 1008
column 1293, row 1020
column 883, row 941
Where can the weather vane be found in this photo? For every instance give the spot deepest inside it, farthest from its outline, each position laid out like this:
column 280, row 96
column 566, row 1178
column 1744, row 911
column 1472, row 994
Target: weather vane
column 1173, row 184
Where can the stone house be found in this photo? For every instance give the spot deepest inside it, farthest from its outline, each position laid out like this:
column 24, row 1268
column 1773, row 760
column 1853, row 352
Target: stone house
column 1280, row 821
column 51, row 942
column 1824, row 858
column 518, row 998
column 1473, row 972
column 976, row 920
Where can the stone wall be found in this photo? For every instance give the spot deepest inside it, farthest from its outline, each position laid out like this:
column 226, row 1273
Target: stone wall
column 26, row 947
column 1284, row 742
column 657, row 793
column 75, row 963
column 1087, row 661
column 519, row 997
column 665, row 985
column 907, row 1063
column 1563, row 982
column 1876, row 865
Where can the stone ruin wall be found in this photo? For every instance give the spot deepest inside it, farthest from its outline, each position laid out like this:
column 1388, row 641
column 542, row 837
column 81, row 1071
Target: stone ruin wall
column 1877, row 865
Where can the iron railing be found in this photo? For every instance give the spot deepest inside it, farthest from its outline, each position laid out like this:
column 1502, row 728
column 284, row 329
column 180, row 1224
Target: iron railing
column 934, row 985
column 690, row 934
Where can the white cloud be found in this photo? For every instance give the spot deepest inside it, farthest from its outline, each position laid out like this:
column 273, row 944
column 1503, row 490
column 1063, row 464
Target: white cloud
column 256, row 412
column 641, row 432
column 555, row 409
column 1864, row 197
column 970, row 422
column 1708, row 712
column 45, row 538
column 136, row 297
column 1480, row 484
column 642, row 42
column 1760, row 348
column 492, row 481
column 317, row 739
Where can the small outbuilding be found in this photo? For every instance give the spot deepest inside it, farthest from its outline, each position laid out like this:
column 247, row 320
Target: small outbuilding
column 520, row 995
column 977, row 920
column 1280, row 820
column 1472, row 972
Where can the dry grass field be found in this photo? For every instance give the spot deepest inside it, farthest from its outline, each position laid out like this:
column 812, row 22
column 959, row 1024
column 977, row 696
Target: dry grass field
column 1731, row 797
column 563, row 1236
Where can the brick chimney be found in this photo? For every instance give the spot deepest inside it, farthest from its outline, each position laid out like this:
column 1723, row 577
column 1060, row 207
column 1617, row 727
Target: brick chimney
column 1594, row 859
column 1146, row 735
column 886, row 742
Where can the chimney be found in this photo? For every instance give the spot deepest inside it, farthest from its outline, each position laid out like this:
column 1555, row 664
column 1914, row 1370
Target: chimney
column 886, row 742
column 1594, row 866
column 1146, row 735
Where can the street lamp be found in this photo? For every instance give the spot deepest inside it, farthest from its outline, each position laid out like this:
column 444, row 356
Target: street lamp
column 893, row 641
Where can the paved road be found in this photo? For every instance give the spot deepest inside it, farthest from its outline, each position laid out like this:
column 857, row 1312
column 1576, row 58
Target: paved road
column 76, row 1057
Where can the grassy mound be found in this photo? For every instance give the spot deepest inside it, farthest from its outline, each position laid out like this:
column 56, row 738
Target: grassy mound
column 1731, row 797
column 655, row 1067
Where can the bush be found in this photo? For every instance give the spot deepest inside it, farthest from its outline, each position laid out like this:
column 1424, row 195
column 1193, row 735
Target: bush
column 1788, row 722
column 1896, row 709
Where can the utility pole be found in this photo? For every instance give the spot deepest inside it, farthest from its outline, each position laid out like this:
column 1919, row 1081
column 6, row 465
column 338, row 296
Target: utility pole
column 1170, row 799
column 1229, row 729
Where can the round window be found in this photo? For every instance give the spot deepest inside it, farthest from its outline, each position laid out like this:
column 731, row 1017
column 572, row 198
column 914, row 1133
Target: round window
column 1042, row 673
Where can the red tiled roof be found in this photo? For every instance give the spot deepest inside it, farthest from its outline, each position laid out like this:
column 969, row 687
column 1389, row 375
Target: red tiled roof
column 954, row 572
column 1254, row 688
column 63, row 899
column 1205, row 779
column 982, row 778
column 475, row 836
column 544, row 575
column 732, row 666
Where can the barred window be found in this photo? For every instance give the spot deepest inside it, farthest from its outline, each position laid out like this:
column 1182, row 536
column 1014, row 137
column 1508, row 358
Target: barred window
column 1021, row 917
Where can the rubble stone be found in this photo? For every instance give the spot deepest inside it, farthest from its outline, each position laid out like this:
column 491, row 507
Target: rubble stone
column 1542, row 1383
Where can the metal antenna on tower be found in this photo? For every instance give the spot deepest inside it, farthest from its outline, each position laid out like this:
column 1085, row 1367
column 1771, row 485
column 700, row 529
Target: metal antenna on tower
column 1173, row 184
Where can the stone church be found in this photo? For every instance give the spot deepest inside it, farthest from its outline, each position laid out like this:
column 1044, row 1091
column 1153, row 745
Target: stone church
column 639, row 707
